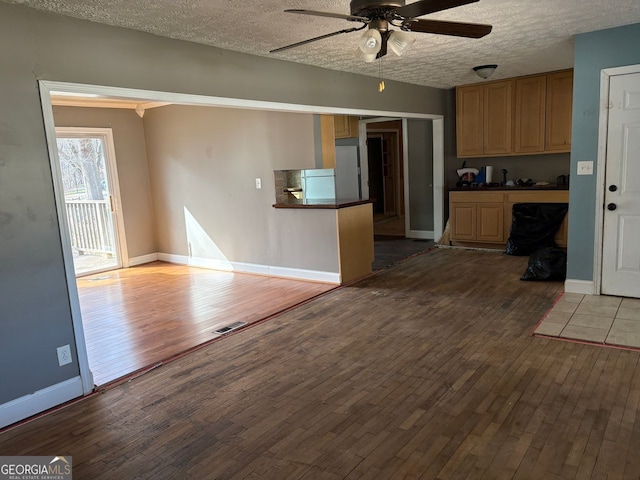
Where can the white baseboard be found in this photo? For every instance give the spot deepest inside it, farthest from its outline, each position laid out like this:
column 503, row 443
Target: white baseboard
column 256, row 269
column 300, row 274
column 24, row 407
column 420, row 234
column 171, row 258
column 151, row 257
column 585, row 287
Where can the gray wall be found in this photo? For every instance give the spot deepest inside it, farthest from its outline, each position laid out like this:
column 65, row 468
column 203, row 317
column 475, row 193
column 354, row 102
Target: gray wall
column 36, row 316
column 539, row 168
column 593, row 51
column 203, row 162
column 133, row 171
column 420, row 173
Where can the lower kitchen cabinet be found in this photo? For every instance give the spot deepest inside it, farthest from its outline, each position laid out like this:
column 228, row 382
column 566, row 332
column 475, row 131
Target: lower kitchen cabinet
column 483, row 218
column 477, row 216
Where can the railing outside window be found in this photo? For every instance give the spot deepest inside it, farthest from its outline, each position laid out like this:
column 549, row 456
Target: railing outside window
column 90, row 226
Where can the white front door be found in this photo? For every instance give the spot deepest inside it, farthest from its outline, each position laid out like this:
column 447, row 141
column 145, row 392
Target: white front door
column 621, row 236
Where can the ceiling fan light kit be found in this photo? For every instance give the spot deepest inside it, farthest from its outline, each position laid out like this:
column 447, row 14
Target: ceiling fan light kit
column 485, row 71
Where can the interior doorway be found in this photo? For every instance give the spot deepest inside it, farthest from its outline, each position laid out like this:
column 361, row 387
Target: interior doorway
column 89, row 180
column 157, row 98
column 386, row 184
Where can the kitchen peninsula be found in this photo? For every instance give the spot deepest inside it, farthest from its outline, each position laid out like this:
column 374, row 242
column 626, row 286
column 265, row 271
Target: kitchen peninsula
column 347, row 219
column 482, row 216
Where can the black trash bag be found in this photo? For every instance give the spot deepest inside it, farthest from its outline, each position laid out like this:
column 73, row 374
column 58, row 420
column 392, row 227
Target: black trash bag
column 548, row 263
column 533, row 227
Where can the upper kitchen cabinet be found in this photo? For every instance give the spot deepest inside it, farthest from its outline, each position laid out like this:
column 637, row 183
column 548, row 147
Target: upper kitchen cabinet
column 519, row 116
column 345, row 126
column 497, row 117
column 483, row 114
column 529, row 130
column 327, row 141
column 559, row 106
column 470, row 120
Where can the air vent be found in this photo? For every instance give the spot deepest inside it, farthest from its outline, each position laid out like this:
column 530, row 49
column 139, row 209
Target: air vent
column 230, row 328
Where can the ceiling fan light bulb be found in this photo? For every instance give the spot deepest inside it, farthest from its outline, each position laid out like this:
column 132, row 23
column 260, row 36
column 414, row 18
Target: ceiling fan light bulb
column 399, row 42
column 371, row 41
column 485, row 71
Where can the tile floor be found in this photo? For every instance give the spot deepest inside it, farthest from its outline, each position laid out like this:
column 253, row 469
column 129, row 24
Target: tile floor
column 594, row 318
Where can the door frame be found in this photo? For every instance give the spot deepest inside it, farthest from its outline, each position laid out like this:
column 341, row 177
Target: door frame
column 114, row 187
column 398, row 198
column 47, row 87
column 437, row 125
column 605, row 79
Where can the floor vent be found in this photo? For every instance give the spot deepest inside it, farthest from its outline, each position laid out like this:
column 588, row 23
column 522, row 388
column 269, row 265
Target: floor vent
column 230, row 328
column 97, row 279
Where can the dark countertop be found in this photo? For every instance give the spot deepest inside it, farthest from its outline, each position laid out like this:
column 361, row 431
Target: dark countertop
column 515, row 187
column 329, row 203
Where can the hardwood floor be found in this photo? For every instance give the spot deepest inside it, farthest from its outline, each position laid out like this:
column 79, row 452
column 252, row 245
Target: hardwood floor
column 391, row 249
column 139, row 316
column 426, row 370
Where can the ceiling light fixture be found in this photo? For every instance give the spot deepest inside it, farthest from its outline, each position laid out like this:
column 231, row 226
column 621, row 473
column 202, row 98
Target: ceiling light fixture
column 485, row 71
column 375, row 40
column 399, row 41
column 371, row 42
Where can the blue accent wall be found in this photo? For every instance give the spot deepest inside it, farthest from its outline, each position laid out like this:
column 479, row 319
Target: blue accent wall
column 594, row 51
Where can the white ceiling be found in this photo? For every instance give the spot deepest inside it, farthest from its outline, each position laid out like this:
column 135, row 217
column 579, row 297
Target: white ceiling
column 529, row 36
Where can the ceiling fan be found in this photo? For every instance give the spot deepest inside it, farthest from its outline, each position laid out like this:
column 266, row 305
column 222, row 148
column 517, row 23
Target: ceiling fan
column 380, row 15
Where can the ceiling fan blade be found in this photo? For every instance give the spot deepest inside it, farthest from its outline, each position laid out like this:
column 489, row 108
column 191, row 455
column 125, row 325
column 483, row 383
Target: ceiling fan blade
column 315, row 39
column 424, row 7
column 351, row 18
column 456, row 29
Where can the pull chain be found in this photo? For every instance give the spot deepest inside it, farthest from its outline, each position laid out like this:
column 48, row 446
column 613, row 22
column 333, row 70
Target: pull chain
column 380, row 73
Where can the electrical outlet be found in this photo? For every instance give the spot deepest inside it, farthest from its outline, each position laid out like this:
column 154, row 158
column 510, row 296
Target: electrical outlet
column 258, row 183
column 585, row 168
column 64, row 355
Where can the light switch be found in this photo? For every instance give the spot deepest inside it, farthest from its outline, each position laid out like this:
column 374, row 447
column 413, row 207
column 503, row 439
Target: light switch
column 585, row 168
column 258, row 183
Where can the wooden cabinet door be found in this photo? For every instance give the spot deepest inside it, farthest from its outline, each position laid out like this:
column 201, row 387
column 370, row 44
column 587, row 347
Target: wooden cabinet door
column 530, row 114
column 469, row 120
column 497, row 117
column 345, row 126
column 463, row 221
column 327, row 141
column 490, row 222
column 559, row 106
column 341, row 126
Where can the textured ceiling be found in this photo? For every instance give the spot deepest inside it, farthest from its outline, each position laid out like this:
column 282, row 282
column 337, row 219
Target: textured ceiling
column 529, row 36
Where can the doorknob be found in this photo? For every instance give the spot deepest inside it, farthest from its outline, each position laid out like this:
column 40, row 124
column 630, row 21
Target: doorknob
column 613, row 188
column 612, row 206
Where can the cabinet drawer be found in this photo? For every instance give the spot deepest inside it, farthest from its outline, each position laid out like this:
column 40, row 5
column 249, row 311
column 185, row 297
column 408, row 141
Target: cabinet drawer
column 557, row 196
column 476, row 197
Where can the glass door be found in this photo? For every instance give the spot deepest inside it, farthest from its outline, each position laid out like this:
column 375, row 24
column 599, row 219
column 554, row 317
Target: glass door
column 88, row 177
